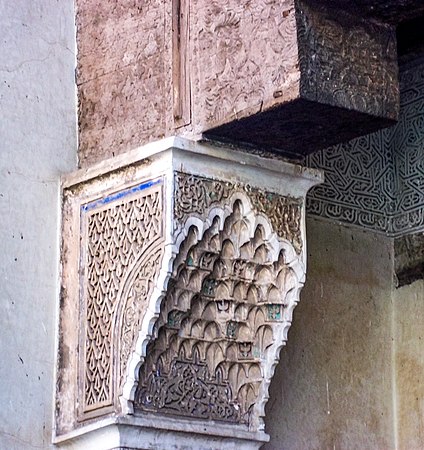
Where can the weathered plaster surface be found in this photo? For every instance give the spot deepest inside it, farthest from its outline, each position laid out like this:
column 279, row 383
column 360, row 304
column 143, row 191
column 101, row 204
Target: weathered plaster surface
column 409, row 258
column 183, row 67
column 409, row 365
column 121, row 76
column 333, row 385
column 38, row 142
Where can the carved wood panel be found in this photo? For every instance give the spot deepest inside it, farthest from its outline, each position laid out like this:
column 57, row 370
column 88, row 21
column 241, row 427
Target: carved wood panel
column 122, row 75
column 237, row 48
column 346, row 61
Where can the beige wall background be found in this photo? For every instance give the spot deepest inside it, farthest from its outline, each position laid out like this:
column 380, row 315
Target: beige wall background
column 38, row 143
column 351, row 375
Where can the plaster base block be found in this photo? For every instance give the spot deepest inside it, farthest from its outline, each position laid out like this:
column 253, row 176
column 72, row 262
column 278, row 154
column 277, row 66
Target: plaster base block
column 164, row 433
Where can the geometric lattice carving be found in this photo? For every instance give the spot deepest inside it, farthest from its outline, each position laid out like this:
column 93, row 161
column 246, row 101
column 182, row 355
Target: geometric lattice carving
column 220, row 325
column 376, row 181
column 359, row 183
column 408, row 149
column 121, row 257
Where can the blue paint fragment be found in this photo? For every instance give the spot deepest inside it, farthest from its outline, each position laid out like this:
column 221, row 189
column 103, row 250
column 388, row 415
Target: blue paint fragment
column 119, row 195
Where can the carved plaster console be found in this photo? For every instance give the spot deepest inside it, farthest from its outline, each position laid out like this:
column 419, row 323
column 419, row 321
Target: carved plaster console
column 181, row 266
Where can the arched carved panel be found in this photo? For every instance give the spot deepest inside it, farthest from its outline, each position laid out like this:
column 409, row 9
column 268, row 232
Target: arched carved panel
column 120, row 259
column 134, row 297
column 195, row 196
column 227, row 306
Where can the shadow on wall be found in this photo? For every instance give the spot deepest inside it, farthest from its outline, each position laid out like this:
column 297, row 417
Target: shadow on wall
column 333, row 385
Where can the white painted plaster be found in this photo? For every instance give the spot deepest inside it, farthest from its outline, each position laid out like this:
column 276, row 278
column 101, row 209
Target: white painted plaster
column 37, row 145
column 164, row 433
column 199, row 154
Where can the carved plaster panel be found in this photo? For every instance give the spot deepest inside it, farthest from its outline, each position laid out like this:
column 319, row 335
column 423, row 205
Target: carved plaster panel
column 407, row 143
column 224, row 318
column 182, row 273
column 375, row 181
column 195, row 195
column 122, row 247
column 359, row 183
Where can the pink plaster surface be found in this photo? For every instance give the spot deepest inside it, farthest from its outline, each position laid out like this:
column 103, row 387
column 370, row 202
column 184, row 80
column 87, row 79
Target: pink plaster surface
column 121, row 75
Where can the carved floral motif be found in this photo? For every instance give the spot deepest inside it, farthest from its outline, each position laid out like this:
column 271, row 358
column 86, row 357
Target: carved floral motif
column 120, row 232
column 138, row 288
column 337, row 55
column 194, row 194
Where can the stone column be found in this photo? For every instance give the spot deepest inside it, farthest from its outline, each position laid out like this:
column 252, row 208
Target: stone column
column 181, row 266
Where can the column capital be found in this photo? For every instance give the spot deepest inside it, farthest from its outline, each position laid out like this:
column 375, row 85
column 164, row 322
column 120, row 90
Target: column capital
column 180, row 272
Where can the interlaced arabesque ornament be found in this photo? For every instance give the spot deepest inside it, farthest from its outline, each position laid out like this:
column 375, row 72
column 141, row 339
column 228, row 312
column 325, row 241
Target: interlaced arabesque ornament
column 122, row 258
column 220, row 322
column 375, row 181
column 195, row 195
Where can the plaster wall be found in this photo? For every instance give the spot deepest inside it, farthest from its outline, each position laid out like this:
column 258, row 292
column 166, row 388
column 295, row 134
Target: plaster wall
column 333, row 386
column 37, row 144
column 409, row 363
